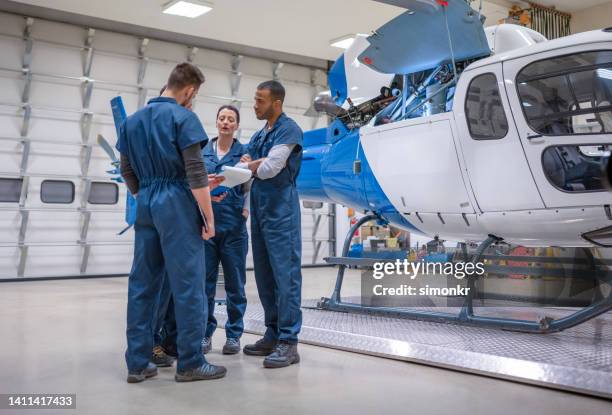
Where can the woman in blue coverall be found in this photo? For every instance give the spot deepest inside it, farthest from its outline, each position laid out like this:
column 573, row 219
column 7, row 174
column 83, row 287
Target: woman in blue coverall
column 229, row 246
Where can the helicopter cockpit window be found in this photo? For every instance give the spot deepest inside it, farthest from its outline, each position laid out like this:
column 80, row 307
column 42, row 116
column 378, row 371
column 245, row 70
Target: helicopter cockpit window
column 575, row 168
column 484, row 111
column 568, row 95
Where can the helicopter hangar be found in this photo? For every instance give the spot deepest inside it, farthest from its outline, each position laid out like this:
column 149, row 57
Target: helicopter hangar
column 450, row 249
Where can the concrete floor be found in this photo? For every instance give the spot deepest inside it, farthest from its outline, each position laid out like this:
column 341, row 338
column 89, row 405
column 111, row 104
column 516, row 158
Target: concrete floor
column 69, row 337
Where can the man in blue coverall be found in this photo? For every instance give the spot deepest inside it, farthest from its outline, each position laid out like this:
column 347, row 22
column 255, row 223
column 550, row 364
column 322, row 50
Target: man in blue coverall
column 161, row 162
column 275, row 155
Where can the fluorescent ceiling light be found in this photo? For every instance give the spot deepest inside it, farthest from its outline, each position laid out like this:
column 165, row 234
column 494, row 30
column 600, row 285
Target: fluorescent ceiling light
column 346, row 41
column 343, row 42
column 191, row 8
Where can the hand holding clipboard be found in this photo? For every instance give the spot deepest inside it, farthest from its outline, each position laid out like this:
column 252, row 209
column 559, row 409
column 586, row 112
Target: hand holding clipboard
column 233, row 176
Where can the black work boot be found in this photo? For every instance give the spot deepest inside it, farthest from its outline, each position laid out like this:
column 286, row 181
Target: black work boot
column 139, row 376
column 284, row 354
column 231, row 346
column 170, row 349
column 161, row 358
column 262, row 347
column 204, row 372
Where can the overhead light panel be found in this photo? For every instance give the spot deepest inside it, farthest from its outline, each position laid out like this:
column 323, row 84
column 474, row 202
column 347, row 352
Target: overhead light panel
column 346, row 41
column 191, row 8
column 343, row 42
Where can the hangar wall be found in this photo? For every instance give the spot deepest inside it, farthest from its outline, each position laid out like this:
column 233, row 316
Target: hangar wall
column 593, row 18
column 59, row 211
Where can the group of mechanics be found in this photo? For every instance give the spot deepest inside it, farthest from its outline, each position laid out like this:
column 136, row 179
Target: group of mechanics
column 183, row 233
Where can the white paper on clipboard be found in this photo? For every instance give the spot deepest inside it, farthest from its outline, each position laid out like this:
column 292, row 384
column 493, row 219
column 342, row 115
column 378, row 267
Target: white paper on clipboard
column 234, row 176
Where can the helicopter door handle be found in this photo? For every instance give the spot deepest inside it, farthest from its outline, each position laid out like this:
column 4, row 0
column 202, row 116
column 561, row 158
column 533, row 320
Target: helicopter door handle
column 532, row 138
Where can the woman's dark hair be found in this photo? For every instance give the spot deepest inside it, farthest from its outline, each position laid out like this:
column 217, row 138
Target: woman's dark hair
column 231, row 108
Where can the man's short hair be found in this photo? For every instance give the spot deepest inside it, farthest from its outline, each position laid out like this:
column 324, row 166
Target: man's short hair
column 184, row 75
column 277, row 90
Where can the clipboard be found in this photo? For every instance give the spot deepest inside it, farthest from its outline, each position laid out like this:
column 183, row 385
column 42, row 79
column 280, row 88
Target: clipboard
column 234, row 176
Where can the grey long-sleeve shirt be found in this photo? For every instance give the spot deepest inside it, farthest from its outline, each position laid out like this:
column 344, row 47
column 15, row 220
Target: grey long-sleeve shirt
column 274, row 162
column 195, row 169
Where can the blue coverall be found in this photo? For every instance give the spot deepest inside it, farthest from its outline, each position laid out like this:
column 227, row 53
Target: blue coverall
column 276, row 233
column 168, row 230
column 229, row 246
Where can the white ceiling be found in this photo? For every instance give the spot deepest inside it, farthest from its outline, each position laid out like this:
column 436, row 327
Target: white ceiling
column 292, row 26
column 572, row 5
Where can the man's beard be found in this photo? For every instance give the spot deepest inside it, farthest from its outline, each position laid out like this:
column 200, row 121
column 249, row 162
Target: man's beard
column 266, row 115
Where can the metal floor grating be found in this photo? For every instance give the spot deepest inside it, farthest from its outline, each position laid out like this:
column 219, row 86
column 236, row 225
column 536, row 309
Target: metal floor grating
column 578, row 359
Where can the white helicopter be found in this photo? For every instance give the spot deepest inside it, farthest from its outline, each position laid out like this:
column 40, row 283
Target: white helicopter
column 444, row 128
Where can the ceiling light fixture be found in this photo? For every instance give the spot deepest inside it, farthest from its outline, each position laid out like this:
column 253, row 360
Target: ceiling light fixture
column 191, row 8
column 343, row 42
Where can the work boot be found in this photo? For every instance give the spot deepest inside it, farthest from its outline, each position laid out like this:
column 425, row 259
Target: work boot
column 139, row 376
column 232, row 346
column 170, row 349
column 206, row 345
column 204, row 372
column 262, row 347
column 284, row 354
column 161, row 358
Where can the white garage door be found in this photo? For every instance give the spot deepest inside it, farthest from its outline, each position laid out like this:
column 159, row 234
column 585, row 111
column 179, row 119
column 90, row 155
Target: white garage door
column 59, row 211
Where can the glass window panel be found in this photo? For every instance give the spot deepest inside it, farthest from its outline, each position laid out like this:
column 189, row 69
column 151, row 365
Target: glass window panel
column 103, row 193
column 576, row 168
column 568, row 95
column 10, row 190
column 484, row 110
column 57, row 191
